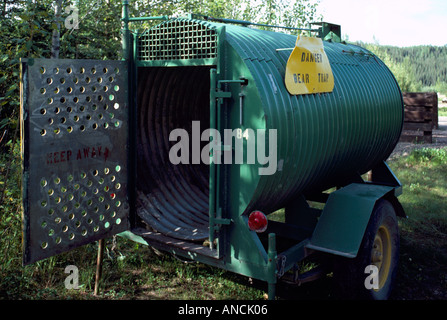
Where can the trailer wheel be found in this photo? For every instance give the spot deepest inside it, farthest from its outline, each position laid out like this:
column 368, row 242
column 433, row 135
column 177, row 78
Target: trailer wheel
column 379, row 251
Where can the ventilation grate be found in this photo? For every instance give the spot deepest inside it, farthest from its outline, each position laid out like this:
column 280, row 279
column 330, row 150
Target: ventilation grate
column 75, row 134
column 176, row 40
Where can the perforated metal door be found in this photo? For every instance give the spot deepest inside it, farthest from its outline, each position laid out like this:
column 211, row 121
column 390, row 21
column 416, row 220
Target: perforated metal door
column 74, row 145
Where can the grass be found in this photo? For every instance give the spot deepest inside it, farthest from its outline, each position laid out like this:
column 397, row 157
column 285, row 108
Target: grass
column 442, row 112
column 134, row 271
column 423, row 260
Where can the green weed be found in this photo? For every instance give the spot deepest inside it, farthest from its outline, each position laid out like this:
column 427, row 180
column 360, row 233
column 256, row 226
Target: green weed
column 135, row 271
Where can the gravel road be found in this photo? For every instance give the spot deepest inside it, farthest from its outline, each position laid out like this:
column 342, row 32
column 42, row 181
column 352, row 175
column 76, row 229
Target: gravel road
column 439, row 141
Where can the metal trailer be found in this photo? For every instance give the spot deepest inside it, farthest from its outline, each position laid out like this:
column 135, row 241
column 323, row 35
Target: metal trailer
column 97, row 137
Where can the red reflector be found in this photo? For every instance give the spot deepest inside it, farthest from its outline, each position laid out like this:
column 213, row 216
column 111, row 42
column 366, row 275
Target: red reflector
column 257, row 221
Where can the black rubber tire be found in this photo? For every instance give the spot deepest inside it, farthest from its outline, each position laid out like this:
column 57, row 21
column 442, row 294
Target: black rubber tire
column 349, row 274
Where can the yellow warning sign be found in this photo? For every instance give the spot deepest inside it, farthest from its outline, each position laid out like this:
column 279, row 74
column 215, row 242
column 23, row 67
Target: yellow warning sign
column 308, row 69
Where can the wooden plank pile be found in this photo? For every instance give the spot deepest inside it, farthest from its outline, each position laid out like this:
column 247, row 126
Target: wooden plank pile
column 421, row 116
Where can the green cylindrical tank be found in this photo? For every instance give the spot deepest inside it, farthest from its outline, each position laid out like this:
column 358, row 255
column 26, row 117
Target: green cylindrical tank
column 323, row 139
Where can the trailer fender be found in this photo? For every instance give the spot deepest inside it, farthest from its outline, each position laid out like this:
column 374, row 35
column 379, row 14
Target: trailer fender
column 345, row 217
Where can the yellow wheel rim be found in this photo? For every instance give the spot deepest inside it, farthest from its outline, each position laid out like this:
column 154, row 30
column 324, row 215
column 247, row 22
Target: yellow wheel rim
column 381, row 254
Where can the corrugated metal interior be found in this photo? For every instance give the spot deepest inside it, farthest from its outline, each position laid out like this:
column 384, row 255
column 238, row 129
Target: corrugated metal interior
column 172, row 199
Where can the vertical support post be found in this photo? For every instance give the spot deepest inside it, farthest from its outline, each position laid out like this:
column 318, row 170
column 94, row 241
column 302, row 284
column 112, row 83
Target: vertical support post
column 99, row 265
column 271, row 266
column 125, row 33
column 212, row 180
column 241, row 108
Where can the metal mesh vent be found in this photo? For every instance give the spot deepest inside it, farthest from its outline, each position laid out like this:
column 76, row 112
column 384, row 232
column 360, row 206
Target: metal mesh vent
column 178, row 39
column 75, row 135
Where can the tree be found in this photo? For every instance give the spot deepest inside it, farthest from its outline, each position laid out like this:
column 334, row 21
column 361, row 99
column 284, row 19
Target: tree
column 56, row 31
column 402, row 71
column 32, row 28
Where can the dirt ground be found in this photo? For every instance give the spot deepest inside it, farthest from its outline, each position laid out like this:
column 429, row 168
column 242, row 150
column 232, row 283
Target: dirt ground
column 439, row 141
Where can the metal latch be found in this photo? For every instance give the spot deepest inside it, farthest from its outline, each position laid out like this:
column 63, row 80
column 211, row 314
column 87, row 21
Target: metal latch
column 227, row 94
